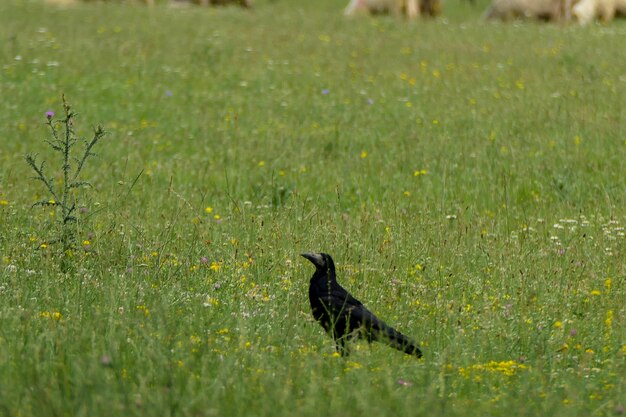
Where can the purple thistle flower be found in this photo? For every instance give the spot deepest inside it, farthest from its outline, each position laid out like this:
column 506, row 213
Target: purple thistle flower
column 370, row 101
column 325, row 91
column 573, row 332
column 204, row 260
column 49, row 114
column 169, row 93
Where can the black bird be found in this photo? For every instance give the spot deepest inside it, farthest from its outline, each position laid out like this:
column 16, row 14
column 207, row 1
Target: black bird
column 343, row 316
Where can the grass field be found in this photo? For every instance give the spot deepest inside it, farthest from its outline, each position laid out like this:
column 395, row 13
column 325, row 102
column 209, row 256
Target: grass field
column 468, row 178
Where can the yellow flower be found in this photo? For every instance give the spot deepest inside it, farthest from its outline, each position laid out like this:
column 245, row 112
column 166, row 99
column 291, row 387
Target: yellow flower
column 55, row 315
column 407, row 193
column 609, row 318
column 607, row 284
column 596, row 292
column 577, row 140
column 210, row 301
column 217, row 217
column 4, row 203
column 261, row 163
column 208, row 210
column 558, row 325
column 419, row 172
column 363, row 154
column 215, row 266
column 43, row 246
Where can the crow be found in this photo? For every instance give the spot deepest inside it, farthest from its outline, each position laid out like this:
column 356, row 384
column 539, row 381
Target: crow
column 344, row 317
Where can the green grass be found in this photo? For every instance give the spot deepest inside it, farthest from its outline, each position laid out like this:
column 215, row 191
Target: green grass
column 504, row 256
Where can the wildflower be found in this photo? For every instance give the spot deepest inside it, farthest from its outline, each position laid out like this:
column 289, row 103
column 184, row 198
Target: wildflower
column 217, row 217
column 4, row 203
column 352, row 365
column 325, row 91
column 370, row 101
column 596, row 292
column 609, row 318
column 215, row 266
column 144, row 309
column 204, row 260
column 55, row 315
column 573, row 332
column 43, row 246
column 106, row 361
column 558, row 325
column 363, row 154
column 407, row 194
column 607, row 282
column 49, row 114
column 211, row 302
column 208, row 210
column 577, row 140
column 419, row 172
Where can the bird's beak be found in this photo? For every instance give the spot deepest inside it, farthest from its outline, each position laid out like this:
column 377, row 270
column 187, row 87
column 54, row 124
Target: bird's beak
column 315, row 258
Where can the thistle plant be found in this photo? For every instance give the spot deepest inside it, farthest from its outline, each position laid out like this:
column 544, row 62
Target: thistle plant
column 61, row 193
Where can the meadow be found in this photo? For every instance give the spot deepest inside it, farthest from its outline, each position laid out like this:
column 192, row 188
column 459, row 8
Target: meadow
column 468, row 178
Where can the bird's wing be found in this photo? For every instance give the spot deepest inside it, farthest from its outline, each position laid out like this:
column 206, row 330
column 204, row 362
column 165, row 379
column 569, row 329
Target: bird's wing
column 360, row 314
column 340, row 295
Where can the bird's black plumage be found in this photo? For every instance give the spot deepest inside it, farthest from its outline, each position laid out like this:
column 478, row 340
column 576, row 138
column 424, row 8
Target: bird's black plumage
column 343, row 316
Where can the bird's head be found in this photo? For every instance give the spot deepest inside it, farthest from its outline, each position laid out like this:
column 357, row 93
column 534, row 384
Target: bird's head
column 322, row 261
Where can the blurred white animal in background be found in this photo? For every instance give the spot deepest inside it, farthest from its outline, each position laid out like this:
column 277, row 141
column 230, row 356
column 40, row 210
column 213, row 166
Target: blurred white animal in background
column 586, row 11
column 393, row 7
column 550, row 10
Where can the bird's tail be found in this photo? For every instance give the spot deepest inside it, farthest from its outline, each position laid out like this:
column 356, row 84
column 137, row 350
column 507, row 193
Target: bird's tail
column 397, row 340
